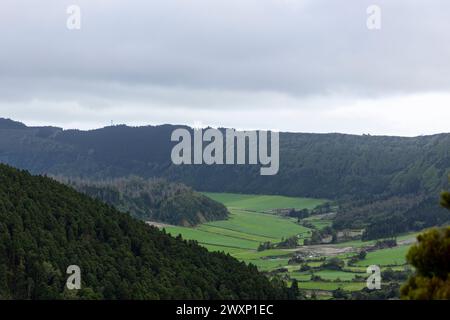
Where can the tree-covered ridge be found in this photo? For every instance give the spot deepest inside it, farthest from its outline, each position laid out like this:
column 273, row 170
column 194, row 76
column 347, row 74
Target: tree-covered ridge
column 46, row 226
column 391, row 216
column 153, row 199
column 372, row 177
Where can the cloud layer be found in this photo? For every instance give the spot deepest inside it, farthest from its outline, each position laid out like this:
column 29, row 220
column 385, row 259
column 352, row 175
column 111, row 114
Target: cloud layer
column 281, row 64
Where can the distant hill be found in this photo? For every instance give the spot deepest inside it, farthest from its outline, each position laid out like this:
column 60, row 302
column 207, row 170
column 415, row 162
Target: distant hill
column 153, row 199
column 46, row 226
column 380, row 173
column 11, row 124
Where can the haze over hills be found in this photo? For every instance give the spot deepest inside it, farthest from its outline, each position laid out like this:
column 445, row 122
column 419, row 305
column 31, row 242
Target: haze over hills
column 46, row 226
column 373, row 177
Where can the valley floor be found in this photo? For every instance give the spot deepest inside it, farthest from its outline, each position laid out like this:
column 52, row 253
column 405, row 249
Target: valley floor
column 252, row 222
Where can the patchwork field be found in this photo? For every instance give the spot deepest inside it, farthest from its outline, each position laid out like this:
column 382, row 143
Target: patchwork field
column 248, row 225
column 263, row 203
column 252, row 221
column 386, row 257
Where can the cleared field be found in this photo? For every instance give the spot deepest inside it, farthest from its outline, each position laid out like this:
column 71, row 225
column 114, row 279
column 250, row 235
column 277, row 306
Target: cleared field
column 386, row 257
column 268, row 264
column 335, row 275
column 357, row 270
column 207, row 238
column 319, row 221
column 329, row 275
column 232, row 233
column 250, row 223
column 241, row 234
column 328, row 286
column 320, row 224
column 251, row 255
column 314, row 264
column 300, row 276
column 262, row 203
column 243, row 229
column 269, row 226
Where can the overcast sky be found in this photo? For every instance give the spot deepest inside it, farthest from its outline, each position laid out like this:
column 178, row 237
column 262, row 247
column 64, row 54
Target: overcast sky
column 291, row 65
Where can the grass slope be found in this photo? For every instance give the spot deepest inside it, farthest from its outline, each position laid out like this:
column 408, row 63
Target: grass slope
column 386, row 257
column 246, row 229
column 250, row 224
column 263, row 202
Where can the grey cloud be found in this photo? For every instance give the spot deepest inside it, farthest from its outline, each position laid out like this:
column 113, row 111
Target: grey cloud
column 295, row 47
column 298, row 65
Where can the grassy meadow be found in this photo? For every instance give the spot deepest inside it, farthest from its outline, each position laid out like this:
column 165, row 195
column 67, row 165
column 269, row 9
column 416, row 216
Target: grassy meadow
column 263, row 203
column 253, row 221
column 248, row 224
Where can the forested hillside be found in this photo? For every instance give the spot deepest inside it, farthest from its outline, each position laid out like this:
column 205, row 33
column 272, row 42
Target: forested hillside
column 153, row 199
column 46, row 226
column 384, row 175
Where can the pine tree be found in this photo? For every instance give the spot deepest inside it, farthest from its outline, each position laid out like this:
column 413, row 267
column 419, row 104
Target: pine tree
column 431, row 258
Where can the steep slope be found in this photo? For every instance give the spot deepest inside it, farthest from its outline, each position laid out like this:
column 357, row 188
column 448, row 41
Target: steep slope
column 46, row 226
column 317, row 165
column 371, row 170
column 153, row 200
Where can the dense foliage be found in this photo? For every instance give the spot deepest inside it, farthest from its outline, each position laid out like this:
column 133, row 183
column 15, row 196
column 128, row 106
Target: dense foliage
column 383, row 174
column 431, row 259
column 153, row 199
column 389, row 217
column 46, row 226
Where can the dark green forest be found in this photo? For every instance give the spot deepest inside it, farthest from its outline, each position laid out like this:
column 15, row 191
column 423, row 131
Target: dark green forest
column 153, row 199
column 46, row 226
column 430, row 257
column 370, row 177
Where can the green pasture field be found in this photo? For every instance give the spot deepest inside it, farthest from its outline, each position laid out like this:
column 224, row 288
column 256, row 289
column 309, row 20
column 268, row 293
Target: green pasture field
column 245, row 229
column 270, row 226
column 386, row 257
column 207, row 238
column 330, row 275
column 263, row 203
column 252, row 255
column 251, row 223
column 335, row 275
column 269, row 264
column 329, row 286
